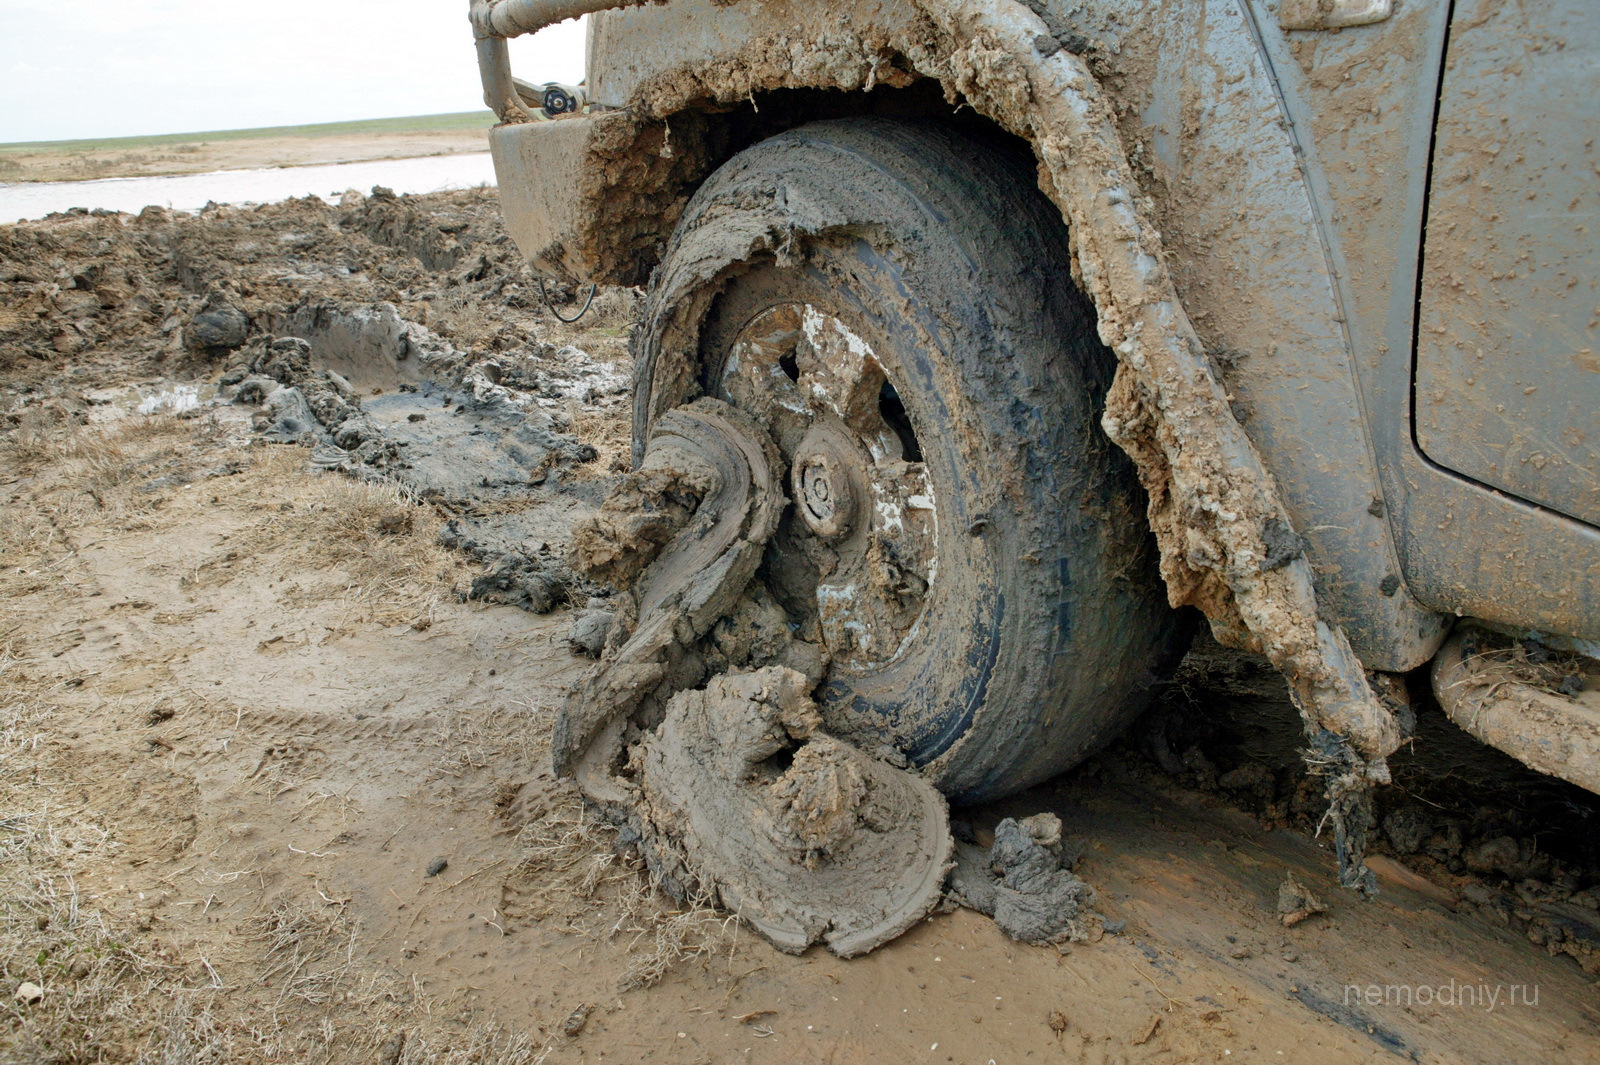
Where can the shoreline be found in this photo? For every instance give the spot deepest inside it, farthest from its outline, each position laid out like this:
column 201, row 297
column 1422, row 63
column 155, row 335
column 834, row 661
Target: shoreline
column 275, row 148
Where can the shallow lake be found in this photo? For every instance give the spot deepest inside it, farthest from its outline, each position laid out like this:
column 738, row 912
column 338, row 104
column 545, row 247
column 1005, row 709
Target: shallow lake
column 190, row 192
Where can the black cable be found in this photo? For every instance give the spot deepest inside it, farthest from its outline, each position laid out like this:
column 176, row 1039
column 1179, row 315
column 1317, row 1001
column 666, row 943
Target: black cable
column 551, row 308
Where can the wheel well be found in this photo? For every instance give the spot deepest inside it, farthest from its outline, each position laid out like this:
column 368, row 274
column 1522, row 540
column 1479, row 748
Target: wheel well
column 771, row 112
column 725, row 131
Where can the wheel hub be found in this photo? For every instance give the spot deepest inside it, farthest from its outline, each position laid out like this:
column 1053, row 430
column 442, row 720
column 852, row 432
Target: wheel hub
column 857, row 553
column 824, row 491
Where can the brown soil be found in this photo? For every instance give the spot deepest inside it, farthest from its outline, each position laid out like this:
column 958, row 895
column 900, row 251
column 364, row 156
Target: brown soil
column 272, row 788
column 200, row 157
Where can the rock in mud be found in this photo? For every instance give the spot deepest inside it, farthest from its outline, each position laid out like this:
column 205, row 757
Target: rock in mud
column 588, row 633
column 217, row 326
column 576, row 1021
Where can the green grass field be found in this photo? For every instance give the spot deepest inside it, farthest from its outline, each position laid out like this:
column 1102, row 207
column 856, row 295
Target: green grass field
column 464, row 120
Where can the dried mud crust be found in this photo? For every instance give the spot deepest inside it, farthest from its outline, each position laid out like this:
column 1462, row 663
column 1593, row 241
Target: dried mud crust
column 939, row 274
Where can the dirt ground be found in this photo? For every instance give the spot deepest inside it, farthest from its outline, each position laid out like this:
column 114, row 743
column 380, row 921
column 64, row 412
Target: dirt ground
column 203, row 156
column 274, row 766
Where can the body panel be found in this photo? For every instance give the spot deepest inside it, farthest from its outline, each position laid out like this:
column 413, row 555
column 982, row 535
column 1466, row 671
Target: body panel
column 1508, row 348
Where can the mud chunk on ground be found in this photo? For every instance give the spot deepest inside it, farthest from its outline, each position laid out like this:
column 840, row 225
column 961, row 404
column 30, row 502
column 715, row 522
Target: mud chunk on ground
column 1038, row 899
column 1407, row 829
column 1296, row 903
column 284, row 359
column 1509, row 857
column 218, row 326
column 1024, row 881
column 688, row 583
column 803, row 836
column 286, row 417
column 534, row 584
column 588, row 633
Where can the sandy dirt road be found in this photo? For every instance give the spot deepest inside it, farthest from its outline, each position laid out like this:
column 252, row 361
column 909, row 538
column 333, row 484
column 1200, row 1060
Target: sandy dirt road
column 273, row 788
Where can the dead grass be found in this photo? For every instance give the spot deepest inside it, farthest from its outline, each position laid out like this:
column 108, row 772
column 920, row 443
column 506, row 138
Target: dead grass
column 512, row 738
column 107, row 478
column 484, row 1043
column 462, row 318
column 117, row 989
column 378, row 548
column 309, row 950
column 94, row 455
column 572, row 854
column 98, row 981
column 1502, row 660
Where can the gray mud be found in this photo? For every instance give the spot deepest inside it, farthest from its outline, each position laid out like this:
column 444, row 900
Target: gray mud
column 805, row 837
column 697, row 728
column 391, row 337
column 1024, row 880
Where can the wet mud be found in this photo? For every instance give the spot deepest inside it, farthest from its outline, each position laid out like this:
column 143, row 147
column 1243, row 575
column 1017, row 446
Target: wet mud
column 392, row 338
column 1495, row 837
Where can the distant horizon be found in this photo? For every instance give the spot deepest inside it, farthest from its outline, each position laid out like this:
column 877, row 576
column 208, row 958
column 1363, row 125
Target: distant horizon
column 485, row 114
column 99, row 70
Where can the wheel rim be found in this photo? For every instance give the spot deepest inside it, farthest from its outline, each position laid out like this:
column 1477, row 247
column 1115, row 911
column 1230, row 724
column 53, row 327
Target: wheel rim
column 857, row 554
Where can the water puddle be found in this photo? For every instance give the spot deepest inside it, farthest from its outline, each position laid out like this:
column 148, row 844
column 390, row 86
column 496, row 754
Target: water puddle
column 190, row 192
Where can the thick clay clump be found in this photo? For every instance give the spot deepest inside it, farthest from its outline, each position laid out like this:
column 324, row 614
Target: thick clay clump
column 1025, row 882
column 802, row 835
column 697, row 726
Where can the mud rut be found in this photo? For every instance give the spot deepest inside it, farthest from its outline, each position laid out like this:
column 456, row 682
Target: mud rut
column 308, row 808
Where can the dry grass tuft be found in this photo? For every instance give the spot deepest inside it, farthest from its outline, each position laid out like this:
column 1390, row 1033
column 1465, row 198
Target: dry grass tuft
column 98, row 982
column 379, row 548
column 1501, row 660
column 484, row 1043
column 570, row 853
column 309, row 949
column 514, row 737
column 463, row 319
column 662, row 936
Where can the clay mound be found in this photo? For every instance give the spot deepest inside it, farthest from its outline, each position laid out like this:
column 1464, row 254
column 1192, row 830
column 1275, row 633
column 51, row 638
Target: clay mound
column 803, row 836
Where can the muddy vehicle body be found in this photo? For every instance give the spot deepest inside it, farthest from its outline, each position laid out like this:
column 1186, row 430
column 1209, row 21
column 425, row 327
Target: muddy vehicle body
column 1322, row 270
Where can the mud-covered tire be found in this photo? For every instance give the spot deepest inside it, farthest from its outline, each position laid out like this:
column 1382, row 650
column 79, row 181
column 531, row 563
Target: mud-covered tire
column 1046, row 626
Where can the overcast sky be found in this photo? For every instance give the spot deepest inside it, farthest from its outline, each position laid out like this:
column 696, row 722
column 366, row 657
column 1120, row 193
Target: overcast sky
column 110, row 68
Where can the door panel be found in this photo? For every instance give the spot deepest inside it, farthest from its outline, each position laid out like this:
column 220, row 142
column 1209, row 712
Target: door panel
column 1508, row 360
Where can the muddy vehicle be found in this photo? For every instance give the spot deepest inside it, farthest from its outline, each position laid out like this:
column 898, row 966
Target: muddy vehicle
column 1005, row 330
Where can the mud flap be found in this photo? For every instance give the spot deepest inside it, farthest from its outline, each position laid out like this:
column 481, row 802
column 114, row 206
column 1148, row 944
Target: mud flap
column 736, row 792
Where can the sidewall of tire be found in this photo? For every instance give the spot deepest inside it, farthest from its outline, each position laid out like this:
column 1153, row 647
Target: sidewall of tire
column 1046, row 623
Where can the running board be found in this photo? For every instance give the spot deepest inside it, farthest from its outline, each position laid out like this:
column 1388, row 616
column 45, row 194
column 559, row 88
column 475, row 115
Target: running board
column 1539, row 705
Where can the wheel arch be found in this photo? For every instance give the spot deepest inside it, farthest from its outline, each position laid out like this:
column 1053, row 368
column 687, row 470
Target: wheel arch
column 1238, row 534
